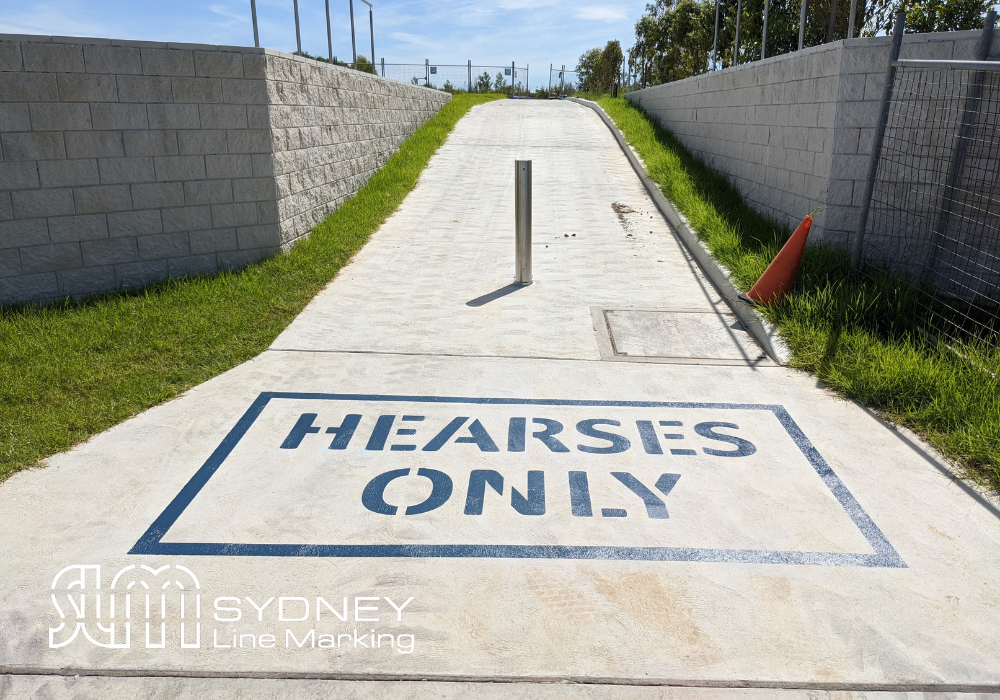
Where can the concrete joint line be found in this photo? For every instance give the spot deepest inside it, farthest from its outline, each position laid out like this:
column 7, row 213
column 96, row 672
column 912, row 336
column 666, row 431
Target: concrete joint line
column 526, row 680
column 759, row 328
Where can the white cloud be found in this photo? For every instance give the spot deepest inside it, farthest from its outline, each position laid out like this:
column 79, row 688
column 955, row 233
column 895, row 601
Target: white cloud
column 525, row 4
column 227, row 12
column 413, row 39
column 601, row 13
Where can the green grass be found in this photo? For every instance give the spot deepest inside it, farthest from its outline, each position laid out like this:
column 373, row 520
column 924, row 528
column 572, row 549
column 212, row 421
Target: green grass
column 856, row 334
column 70, row 370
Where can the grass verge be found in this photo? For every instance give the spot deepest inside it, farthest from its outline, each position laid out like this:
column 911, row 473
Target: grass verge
column 855, row 334
column 73, row 369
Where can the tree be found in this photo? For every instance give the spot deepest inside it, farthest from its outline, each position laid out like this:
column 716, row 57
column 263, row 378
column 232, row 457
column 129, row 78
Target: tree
column 597, row 69
column 484, row 83
column 673, row 38
column 926, row 15
column 585, row 69
column 608, row 66
column 498, row 86
column 364, row 65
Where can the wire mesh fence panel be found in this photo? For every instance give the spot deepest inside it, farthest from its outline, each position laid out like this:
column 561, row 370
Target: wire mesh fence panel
column 563, row 82
column 935, row 207
column 474, row 77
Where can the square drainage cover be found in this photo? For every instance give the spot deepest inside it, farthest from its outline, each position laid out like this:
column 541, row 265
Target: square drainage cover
column 692, row 335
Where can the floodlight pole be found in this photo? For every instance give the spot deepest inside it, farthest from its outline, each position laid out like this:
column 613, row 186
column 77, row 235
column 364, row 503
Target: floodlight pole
column 354, row 49
column 850, row 21
column 253, row 15
column 298, row 34
column 329, row 35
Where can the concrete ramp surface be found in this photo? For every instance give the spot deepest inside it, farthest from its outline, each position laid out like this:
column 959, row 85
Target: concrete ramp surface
column 439, row 483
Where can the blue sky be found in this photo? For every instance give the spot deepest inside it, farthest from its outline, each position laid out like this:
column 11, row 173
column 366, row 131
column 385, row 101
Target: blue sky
column 538, row 32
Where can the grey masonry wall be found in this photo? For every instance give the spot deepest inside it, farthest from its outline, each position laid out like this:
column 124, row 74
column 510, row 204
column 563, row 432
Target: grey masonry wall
column 795, row 132
column 126, row 162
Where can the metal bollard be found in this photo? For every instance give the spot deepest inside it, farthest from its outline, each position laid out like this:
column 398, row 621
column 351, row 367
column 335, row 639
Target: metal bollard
column 522, row 221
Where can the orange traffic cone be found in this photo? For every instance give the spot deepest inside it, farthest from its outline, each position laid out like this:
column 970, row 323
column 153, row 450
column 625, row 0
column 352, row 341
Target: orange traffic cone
column 779, row 276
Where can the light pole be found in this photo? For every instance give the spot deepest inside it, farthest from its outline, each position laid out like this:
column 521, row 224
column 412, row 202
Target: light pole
column 253, row 14
column 354, row 49
column 763, row 41
column 298, row 34
column 329, row 35
column 802, row 23
column 736, row 46
column 371, row 29
column 715, row 43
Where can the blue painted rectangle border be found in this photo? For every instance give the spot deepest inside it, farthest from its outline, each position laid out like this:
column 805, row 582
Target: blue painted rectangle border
column 884, row 553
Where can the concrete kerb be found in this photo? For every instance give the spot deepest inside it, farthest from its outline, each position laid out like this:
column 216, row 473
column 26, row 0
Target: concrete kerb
column 762, row 330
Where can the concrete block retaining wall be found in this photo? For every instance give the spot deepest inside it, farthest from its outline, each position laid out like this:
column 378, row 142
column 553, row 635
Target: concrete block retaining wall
column 126, row 162
column 795, row 132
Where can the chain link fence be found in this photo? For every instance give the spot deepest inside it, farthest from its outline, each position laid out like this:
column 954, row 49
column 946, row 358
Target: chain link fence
column 934, row 214
column 562, row 81
column 470, row 77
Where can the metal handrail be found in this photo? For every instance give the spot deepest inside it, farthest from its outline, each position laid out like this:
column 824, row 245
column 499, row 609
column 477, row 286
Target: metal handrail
column 946, row 65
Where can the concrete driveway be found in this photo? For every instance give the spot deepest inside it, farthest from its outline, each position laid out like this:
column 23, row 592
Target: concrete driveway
column 435, row 475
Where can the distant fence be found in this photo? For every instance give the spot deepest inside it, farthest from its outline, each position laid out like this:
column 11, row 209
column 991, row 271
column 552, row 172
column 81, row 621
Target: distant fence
column 562, row 81
column 467, row 76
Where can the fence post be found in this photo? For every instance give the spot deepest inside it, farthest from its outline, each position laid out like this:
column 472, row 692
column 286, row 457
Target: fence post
column 890, row 75
column 562, row 80
column 802, row 24
column 329, row 34
column 961, row 144
column 763, row 41
column 522, row 220
column 383, row 66
column 513, row 70
column 253, row 16
column 527, row 72
column 736, row 48
column 298, row 34
column 427, row 72
column 470, row 76
column 550, row 77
